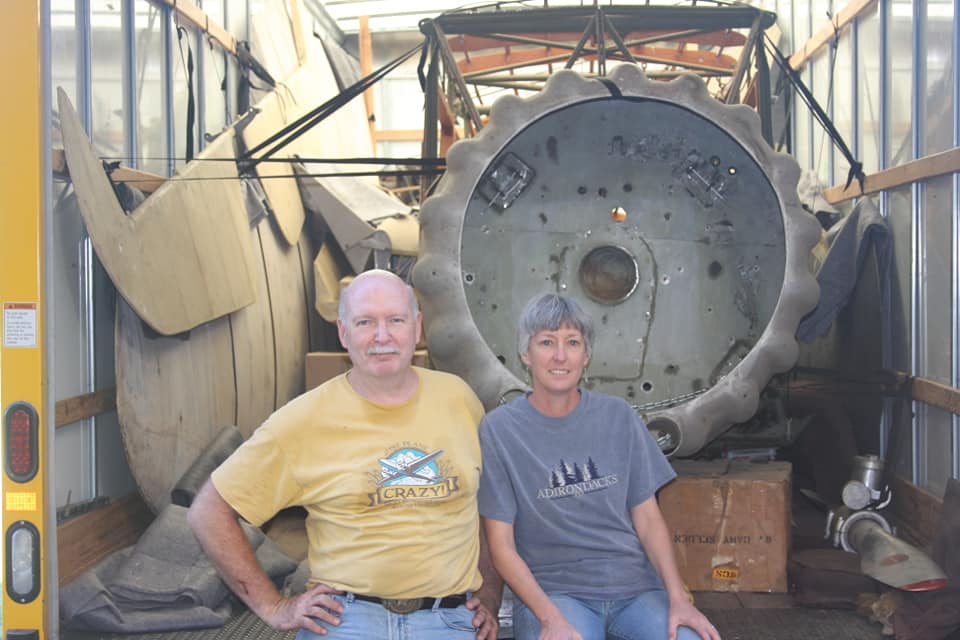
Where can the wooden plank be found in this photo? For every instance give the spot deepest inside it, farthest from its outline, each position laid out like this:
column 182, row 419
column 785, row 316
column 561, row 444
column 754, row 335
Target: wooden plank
column 143, row 180
column 182, row 257
column 399, row 134
column 296, row 26
column 702, row 60
column 836, row 25
column 936, row 394
column 365, row 41
column 937, row 164
column 85, row 406
column 85, row 540
column 467, row 43
column 196, row 16
column 916, row 510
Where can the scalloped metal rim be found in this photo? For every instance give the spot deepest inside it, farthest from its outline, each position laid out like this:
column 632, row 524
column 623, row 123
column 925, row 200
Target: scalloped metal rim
column 453, row 339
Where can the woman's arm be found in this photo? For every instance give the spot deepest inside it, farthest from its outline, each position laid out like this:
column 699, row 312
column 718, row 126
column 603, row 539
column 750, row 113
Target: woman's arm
column 516, row 573
column 652, row 531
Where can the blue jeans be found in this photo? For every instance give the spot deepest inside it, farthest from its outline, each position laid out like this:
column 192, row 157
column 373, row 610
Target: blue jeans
column 641, row 618
column 363, row 620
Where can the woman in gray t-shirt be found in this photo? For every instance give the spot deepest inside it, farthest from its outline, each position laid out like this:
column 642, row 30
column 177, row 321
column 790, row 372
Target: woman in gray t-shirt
column 568, row 498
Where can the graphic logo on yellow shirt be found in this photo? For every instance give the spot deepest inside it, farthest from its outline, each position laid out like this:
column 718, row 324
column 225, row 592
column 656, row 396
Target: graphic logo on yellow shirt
column 410, row 473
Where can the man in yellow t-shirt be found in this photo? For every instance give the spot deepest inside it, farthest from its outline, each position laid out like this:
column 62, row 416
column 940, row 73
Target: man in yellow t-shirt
column 386, row 461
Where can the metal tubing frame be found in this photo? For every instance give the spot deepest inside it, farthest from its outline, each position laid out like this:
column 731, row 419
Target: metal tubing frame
column 810, row 120
column 854, row 87
column 955, row 253
column 200, row 101
column 431, row 141
column 886, row 313
column 452, row 73
column 128, row 24
column 754, row 40
column 833, row 53
column 86, row 257
column 168, row 35
column 918, row 245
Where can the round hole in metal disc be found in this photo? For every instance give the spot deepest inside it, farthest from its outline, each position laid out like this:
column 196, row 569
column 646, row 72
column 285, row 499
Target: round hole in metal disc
column 609, row 274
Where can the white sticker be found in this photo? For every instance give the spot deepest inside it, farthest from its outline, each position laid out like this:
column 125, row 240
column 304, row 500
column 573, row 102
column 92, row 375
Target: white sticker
column 19, row 324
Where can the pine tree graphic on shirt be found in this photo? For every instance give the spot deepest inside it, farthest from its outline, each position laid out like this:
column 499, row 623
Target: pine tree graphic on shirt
column 566, row 474
column 591, row 471
column 556, row 478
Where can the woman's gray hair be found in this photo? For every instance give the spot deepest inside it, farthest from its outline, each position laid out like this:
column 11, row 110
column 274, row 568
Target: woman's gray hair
column 549, row 312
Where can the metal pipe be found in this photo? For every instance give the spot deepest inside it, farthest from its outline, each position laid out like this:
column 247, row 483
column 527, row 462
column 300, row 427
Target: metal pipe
column 886, row 312
column 855, row 87
column 754, row 39
column 198, row 82
column 168, row 34
column 429, row 146
column 128, row 27
column 831, row 101
column 86, row 255
column 955, row 256
column 810, row 120
column 917, row 290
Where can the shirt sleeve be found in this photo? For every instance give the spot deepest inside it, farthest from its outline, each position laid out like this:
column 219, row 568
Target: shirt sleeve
column 256, row 480
column 496, row 498
column 649, row 468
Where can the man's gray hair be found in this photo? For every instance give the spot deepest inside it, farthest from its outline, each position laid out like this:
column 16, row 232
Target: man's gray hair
column 549, row 312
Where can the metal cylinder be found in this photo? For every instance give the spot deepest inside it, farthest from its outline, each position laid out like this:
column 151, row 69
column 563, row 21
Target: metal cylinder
column 868, row 469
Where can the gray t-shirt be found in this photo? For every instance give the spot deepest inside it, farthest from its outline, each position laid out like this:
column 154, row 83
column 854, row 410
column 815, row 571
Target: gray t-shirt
column 567, row 485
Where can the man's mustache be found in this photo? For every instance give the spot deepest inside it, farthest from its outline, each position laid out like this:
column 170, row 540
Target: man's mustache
column 378, row 351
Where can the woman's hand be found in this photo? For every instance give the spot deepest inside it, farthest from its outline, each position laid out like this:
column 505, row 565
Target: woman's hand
column 558, row 629
column 682, row 612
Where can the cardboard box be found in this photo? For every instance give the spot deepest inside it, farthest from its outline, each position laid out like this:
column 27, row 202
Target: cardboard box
column 323, row 365
column 730, row 524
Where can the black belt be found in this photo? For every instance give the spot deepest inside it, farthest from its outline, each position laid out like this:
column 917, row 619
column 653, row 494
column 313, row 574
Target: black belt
column 409, row 605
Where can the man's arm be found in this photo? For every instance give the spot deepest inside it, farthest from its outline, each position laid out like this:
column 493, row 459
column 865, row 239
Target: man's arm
column 486, row 601
column 216, row 526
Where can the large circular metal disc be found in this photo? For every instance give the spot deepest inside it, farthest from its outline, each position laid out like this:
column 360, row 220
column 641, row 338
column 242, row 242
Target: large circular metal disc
column 662, row 211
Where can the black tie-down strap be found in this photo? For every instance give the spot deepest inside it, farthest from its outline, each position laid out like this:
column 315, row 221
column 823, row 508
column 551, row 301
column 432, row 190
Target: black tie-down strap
column 295, row 129
column 856, row 167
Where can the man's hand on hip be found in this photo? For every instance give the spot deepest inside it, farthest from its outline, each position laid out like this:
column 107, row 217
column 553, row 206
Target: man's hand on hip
column 305, row 609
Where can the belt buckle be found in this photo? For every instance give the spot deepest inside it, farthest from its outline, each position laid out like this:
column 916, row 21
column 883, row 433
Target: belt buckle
column 402, row 605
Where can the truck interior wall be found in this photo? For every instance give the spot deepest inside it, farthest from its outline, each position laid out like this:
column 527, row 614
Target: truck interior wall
column 89, row 453
column 855, row 343
column 890, row 85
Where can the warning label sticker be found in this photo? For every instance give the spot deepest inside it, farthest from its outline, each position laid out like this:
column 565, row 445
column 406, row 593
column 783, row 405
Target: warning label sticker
column 20, row 324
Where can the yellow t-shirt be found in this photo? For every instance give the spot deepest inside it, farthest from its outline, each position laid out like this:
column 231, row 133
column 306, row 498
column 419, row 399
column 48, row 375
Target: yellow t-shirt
column 390, row 491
